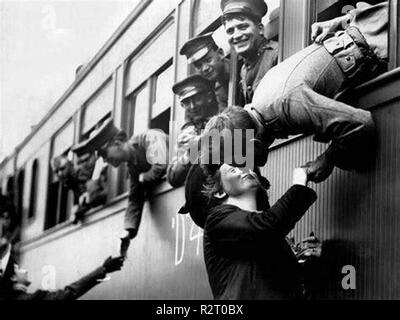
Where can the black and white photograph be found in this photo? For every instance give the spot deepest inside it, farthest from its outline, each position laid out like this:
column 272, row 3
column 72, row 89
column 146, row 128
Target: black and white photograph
column 199, row 154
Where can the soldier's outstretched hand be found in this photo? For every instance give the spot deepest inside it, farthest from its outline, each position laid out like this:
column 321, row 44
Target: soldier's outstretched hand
column 113, row 264
column 319, row 169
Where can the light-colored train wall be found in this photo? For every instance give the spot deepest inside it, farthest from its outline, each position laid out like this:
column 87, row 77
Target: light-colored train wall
column 34, row 226
column 165, row 261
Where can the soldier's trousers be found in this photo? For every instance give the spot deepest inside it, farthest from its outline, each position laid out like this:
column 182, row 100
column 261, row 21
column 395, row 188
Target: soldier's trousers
column 296, row 97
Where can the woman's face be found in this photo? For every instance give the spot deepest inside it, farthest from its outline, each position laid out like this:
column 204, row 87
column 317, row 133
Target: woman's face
column 238, row 181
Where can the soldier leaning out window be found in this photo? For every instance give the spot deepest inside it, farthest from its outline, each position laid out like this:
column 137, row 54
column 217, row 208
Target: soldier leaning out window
column 146, row 156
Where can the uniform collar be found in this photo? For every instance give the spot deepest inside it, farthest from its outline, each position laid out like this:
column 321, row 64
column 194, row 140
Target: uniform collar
column 262, row 46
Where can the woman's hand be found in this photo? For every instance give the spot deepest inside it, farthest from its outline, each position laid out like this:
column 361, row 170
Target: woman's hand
column 300, row 176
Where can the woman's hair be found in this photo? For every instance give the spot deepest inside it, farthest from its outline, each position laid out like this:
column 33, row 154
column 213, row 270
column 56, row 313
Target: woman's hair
column 213, row 186
column 233, row 117
column 212, row 152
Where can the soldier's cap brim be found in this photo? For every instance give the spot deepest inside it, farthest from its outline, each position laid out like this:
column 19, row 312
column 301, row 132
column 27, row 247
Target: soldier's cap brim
column 190, row 86
column 198, row 47
column 99, row 138
column 81, row 148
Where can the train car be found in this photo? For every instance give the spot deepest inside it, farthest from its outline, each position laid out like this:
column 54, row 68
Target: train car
column 356, row 215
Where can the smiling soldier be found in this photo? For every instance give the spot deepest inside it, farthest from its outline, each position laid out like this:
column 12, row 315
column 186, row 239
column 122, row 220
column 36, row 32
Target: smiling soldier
column 197, row 97
column 209, row 61
column 242, row 21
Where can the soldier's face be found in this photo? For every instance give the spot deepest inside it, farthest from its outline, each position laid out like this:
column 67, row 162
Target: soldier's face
column 85, row 165
column 196, row 106
column 113, row 154
column 211, row 66
column 238, row 181
column 243, row 34
column 63, row 169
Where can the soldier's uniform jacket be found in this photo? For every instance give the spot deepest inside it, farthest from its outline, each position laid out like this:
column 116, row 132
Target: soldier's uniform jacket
column 70, row 292
column 179, row 166
column 76, row 185
column 148, row 155
column 253, row 71
column 246, row 254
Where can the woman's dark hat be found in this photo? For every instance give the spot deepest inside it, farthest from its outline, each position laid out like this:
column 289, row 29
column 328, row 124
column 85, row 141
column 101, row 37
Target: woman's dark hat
column 197, row 204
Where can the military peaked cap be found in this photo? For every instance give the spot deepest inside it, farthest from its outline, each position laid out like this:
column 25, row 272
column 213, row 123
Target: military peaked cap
column 192, row 85
column 198, row 47
column 256, row 8
column 98, row 138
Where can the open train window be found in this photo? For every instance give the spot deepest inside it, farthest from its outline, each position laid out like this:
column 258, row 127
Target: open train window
column 149, row 77
column 59, row 197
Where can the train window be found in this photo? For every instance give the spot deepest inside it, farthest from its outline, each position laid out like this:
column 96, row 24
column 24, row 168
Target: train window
column 162, row 98
column 60, row 195
column 34, row 186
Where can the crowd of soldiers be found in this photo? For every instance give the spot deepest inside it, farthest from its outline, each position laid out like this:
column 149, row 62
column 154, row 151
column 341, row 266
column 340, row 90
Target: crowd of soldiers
column 227, row 199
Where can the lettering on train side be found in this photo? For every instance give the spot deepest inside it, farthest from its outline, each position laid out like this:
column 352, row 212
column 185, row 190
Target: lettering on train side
column 194, row 233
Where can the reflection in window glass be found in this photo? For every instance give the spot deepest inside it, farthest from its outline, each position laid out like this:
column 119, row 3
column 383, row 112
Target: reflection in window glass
column 140, row 104
column 162, row 96
column 98, row 107
column 63, row 140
